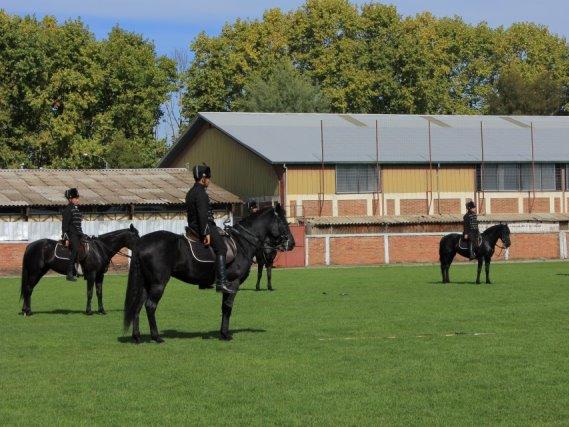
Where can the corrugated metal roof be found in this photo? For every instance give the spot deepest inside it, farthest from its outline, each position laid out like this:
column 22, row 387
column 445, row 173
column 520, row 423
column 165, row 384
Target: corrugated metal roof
column 295, row 137
column 45, row 187
column 432, row 219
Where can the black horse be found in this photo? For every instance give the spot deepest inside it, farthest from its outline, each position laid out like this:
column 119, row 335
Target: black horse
column 162, row 254
column 265, row 258
column 450, row 246
column 40, row 257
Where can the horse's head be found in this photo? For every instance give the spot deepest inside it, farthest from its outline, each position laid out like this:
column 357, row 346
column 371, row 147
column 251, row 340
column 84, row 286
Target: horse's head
column 132, row 237
column 271, row 223
column 505, row 235
column 281, row 232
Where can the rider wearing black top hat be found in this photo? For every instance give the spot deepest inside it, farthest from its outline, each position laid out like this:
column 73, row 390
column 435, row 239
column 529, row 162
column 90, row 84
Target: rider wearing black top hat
column 200, row 220
column 471, row 231
column 71, row 229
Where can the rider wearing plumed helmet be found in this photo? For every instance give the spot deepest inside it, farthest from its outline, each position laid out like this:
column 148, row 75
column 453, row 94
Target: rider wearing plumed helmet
column 200, row 220
column 471, row 232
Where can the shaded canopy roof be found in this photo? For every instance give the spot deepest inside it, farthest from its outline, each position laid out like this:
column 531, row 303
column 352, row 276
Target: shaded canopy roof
column 45, row 187
column 351, row 138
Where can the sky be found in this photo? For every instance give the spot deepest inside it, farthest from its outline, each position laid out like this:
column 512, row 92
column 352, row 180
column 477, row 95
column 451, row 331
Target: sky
column 173, row 24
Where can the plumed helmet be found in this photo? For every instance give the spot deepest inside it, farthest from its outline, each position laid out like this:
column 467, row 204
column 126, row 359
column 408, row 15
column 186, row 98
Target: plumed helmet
column 470, row 205
column 201, row 171
column 71, row 193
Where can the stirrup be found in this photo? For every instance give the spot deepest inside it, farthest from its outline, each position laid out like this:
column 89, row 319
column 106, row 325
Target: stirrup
column 225, row 289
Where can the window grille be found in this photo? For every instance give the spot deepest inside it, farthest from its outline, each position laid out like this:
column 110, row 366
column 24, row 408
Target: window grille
column 518, row 177
column 356, row 179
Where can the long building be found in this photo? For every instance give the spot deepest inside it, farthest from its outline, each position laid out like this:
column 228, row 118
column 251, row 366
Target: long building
column 330, row 165
column 152, row 199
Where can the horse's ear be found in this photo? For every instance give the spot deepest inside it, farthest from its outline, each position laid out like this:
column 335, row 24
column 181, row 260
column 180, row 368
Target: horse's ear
column 132, row 228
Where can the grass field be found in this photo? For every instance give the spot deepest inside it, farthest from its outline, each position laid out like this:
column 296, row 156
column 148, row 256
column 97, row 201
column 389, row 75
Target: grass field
column 385, row 345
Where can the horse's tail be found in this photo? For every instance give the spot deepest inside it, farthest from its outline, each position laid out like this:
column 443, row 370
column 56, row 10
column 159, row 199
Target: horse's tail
column 134, row 290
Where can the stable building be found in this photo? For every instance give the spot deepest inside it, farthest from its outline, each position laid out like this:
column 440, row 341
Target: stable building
column 361, row 165
column 31, row 202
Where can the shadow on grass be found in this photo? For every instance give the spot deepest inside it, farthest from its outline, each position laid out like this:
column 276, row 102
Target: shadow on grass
column 455, row 283
column 65, row 312
column 172, row 333
column 562, row 274
column 255, row 290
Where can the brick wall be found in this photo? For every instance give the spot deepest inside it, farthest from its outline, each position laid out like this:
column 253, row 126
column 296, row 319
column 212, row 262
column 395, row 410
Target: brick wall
column 312, row 208
column 403, row 249
column 447, row 206
column 504, row 205
column 352, row 207
column 534, row 246
column 539, row 205
column 11, row 255
column 356, row 250
column 316, row 254
column 422, row 249
column 390, row 206
column 413, row 206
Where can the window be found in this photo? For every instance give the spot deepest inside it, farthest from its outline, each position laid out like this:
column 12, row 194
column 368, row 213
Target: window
column 356, row 179
column 518, row 177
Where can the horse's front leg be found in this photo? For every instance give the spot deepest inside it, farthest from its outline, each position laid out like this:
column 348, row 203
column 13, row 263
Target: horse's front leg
column 269, row 277
column 226, row 309
column 259, row 275
column 480, row 261
column 90, row 282
column 487, row 265
column 99, row 289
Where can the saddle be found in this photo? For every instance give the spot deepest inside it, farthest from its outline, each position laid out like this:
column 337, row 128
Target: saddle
column 463, row 244
column 205, row 254
column 62, row 252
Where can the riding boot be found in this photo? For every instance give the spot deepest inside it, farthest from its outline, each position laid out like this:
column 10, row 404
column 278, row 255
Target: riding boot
column 472, row 255
column 70, row 270
column 221, row 283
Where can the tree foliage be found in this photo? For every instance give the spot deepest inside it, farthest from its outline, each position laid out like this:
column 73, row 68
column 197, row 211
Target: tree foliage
column 64, row 94
column 283, row 89
column 370, row 59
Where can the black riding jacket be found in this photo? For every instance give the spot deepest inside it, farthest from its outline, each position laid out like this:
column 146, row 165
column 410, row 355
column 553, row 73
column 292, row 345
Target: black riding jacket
column 200, row 214
column 470, row 223
column 71, row 223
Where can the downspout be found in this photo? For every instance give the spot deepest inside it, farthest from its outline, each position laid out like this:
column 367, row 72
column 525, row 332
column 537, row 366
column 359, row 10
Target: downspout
column 285, row 189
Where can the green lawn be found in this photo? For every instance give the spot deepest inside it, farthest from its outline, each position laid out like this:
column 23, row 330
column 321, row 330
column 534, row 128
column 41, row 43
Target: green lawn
column 385, row 345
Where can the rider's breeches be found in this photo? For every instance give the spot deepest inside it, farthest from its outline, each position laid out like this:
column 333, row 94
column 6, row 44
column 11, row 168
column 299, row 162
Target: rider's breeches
column 217, row 243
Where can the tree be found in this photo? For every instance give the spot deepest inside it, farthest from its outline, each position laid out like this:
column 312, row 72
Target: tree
column 369, row 59
column 105, row 91
column 284, row 89
column 519, row 95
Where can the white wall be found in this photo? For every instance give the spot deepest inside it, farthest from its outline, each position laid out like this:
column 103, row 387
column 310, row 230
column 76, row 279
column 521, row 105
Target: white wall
column 30, row 231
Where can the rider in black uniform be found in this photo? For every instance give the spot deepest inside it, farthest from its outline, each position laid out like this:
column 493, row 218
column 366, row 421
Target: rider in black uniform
column 200, row 220
column 71, row 229
column 471, row 232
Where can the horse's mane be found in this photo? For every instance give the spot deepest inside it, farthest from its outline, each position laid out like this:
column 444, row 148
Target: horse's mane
column 113, row 233
column 494, row 228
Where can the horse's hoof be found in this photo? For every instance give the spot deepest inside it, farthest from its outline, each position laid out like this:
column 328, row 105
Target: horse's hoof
column 89, row 312
column 102, row 311
column 257, row 289
column 225, row 337
column 136, row 339
column 477, row 283
column 26, row 313
column 271, row 289
column 158, row 340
